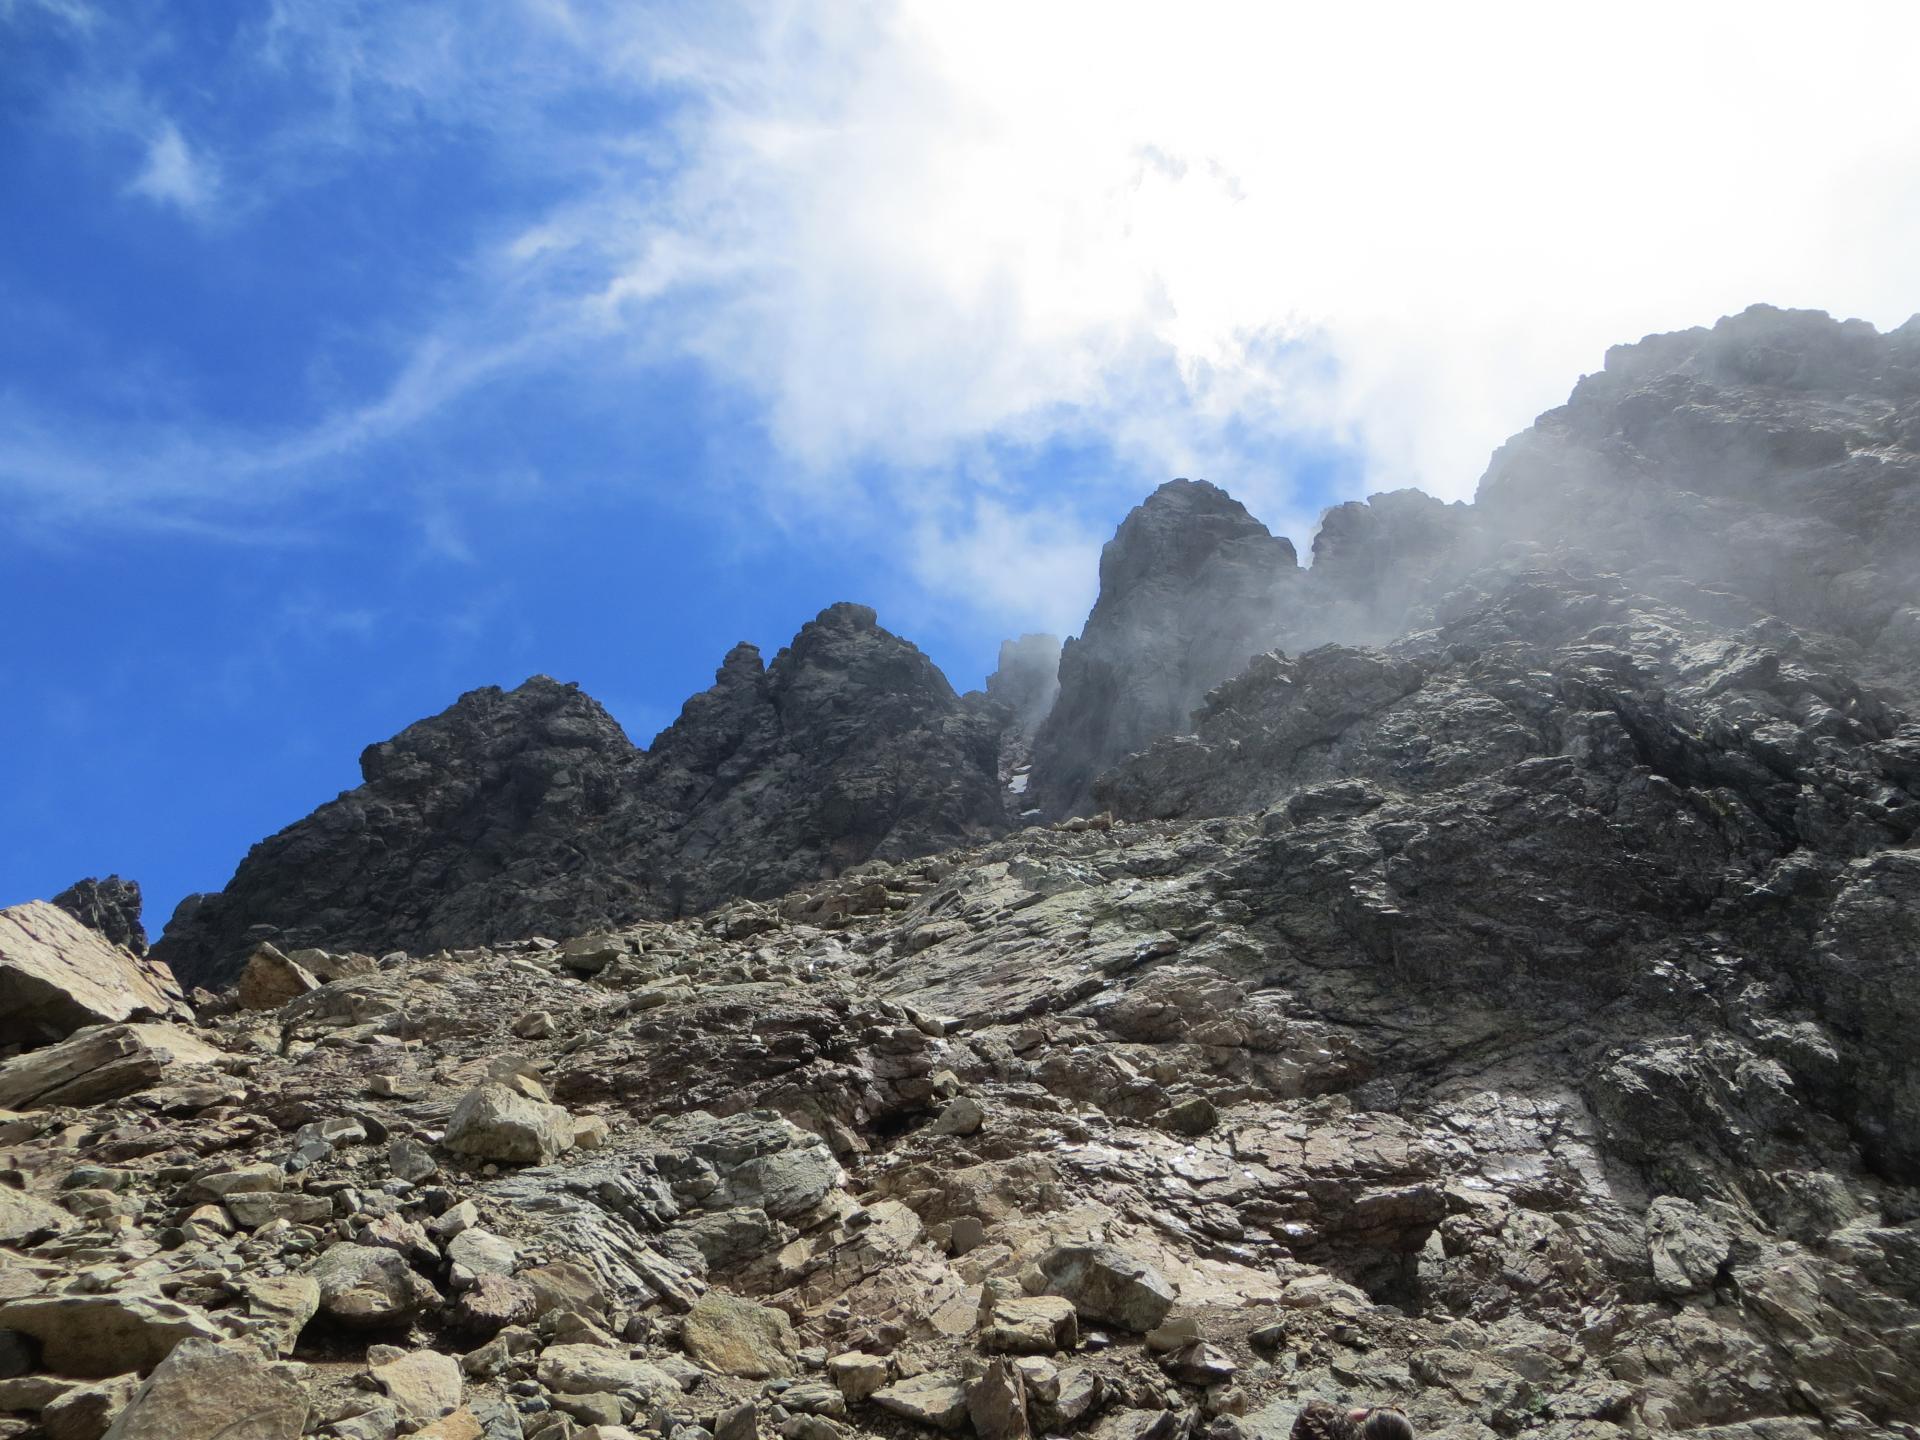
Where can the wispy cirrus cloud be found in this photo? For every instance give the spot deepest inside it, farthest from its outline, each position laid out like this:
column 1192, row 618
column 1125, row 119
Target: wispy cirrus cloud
column 175, row 174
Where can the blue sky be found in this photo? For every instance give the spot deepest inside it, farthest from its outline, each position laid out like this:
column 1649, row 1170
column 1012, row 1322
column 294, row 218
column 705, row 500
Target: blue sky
column 354, row 355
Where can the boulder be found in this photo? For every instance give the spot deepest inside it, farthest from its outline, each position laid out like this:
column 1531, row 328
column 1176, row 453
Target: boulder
column 369, row 1286
column 422, row 1384
column 936, row 1400
column 85, row 1412
column 738, row 1337
column 495, row 1122
column 105, row 1062
column 858, row 1375
column 271, row 980
column 209, row 1391
column 592, row 1369
column 282, row 1304
column 1030, row 1325
column 24, row 1218
column 997, row 1404
column 99, row 1335
column 1108, row 1285
column 58, row 976
column 757, row 1160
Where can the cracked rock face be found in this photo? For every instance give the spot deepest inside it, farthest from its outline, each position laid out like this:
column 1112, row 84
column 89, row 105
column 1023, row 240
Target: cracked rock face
column 1495, row 1000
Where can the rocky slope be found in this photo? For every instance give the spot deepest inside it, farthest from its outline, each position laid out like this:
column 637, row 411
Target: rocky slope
column 1138, row 1129
column 529, row 810
column 1497, row 1000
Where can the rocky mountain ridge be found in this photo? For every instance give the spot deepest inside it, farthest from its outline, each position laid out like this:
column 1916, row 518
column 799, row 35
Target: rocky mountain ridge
column 516, row 812
column 1760, row 471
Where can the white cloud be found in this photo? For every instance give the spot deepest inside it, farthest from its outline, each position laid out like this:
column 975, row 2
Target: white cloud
column 921, row 235
column 174, row 174
column 1409, row 228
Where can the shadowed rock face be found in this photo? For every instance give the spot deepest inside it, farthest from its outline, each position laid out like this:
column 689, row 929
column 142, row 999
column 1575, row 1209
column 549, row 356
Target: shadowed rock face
column 529, row 811
column 1191, row 585
column 110, row 906
column 1771, row 463
column 1766, row 468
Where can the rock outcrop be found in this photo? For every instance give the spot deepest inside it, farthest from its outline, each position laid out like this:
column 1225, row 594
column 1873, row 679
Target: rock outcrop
column 110, row 906
column 528, row 811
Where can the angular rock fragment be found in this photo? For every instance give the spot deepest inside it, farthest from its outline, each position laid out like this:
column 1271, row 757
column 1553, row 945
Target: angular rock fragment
column 99, row 1335
column 105, row 1062
column 936, row 1400
column 270, row 980
column 494, row 1122
column 1107, row 1284
column 738, row 1337
column 58, row 976
column 210, row 1391
column 422, row 1384
column 368, row 1286
column 23, row 1218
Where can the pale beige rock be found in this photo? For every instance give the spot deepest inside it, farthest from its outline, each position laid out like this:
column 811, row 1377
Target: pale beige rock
column 858, row 1375
column 85, row 1411
column 423, row 1385
column 1030, row 1325
column 283, row 1304
column 22, row 1217
column 997, row 1404
column 460, row 1425
column 206, row 1391
column 58, row 976
column 271, row 980
column 936, row 1400
column 105, row 1062
column 738, row 1337
column 100, row 1335
column 495, row 1122
column 590, row 1369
